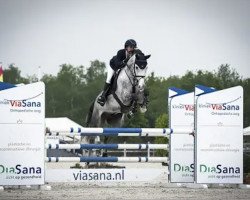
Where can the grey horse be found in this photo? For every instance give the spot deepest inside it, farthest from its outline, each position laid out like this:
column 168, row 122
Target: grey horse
column 127, row 92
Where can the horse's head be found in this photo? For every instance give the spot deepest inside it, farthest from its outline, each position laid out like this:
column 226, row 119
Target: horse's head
column 137, row 65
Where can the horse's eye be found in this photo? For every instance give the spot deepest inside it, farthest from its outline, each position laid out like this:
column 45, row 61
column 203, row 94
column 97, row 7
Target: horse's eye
column 136, row 67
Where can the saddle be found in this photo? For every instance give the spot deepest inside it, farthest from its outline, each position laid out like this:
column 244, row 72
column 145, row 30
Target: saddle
column 111, row 91
column 113, row 82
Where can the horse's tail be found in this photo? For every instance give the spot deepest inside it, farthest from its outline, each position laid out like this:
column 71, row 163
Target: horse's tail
column 89, row 116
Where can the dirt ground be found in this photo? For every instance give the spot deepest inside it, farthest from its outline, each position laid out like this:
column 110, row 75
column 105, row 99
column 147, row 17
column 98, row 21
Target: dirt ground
column 158, row 189
column 123, row 191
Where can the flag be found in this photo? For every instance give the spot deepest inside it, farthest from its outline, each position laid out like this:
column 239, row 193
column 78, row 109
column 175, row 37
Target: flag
column 1, row 74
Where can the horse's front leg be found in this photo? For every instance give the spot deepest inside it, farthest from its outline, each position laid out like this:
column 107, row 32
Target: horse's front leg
column 105, row 151
column 143, row 100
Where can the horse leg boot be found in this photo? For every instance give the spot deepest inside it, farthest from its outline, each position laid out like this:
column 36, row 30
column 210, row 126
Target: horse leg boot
column 102, row 99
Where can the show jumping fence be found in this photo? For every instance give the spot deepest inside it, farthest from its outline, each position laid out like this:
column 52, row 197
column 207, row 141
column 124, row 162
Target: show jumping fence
column 139, row 132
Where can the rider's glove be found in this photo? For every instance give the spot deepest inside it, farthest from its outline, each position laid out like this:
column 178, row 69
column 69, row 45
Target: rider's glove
column 125, row 60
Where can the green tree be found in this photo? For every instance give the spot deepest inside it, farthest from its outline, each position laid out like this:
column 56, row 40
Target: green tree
column 246, row 86
column 161, row 122
column 95, row 71
column 70, row 93
column 227, row 77
column 64, row 93
column 13, row 75
column 95, row 78
column 157, row 88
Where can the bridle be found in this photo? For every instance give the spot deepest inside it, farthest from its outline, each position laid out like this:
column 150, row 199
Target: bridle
column 136, row 78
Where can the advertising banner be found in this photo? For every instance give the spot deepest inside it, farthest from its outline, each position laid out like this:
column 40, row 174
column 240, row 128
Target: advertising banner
column 219, row 136
column 22, row 128
column 104, row 175
column 181, row 115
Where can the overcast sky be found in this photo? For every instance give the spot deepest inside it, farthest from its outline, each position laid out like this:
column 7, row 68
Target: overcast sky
column 181, row 35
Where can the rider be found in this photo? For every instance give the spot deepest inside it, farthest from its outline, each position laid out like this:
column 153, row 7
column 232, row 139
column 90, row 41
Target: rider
column 117, row 62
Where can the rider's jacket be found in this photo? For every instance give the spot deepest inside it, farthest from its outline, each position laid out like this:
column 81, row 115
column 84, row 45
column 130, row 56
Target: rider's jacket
column 119, row 60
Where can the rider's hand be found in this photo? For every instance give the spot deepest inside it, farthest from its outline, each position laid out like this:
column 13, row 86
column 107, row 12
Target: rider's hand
column 125, row 60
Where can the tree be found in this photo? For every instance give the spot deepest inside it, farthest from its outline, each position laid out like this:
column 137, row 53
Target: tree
column 95, row 71
column 246, row 86
column 13, row 75
column 157, row 88
column 228, row 77
column 71, row 92
column 161, row 122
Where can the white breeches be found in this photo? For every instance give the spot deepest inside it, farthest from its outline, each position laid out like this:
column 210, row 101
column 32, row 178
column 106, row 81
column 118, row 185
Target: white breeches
column 110, row 74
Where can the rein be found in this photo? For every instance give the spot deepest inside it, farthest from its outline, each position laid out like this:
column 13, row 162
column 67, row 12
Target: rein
column 134, row 82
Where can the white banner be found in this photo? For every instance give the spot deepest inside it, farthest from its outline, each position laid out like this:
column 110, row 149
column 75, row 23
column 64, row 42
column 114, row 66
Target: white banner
column 104, row 175
column 219, row 136
column 22, row 135
column 181, row 115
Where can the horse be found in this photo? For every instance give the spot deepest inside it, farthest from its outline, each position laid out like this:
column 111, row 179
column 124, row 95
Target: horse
column 127, row 92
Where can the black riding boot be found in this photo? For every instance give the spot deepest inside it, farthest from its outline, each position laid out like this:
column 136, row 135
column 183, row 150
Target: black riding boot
column 102, row 99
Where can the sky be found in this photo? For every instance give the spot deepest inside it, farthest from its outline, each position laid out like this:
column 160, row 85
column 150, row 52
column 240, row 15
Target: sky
column 180, row 35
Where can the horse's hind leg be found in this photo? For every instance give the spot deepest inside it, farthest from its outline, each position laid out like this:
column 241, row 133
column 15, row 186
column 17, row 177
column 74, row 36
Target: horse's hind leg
column 115, row 121
column 92, row 121
column 105, row 151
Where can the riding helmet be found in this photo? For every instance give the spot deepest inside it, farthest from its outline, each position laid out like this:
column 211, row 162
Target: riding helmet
column 130, row 42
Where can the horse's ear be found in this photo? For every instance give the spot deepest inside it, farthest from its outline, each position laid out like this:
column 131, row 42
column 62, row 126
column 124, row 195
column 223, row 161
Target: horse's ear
column 147, row 57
